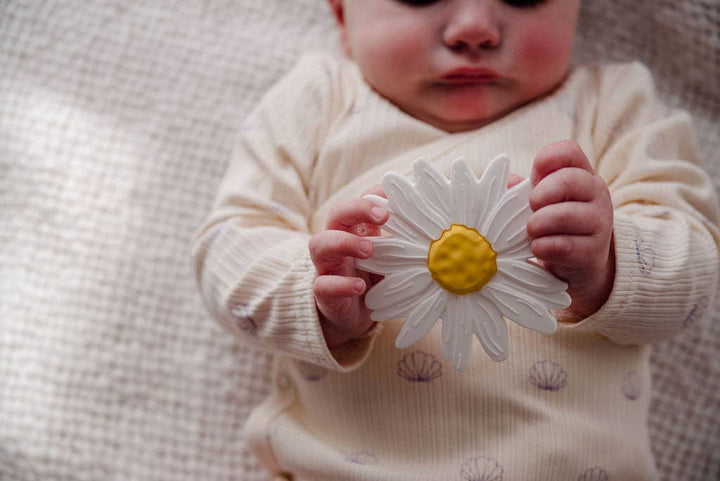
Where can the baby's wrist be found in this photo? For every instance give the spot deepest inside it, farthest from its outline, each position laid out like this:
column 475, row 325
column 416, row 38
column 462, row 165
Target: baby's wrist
column 333, row 337
column 590, row 298
column 334, row 334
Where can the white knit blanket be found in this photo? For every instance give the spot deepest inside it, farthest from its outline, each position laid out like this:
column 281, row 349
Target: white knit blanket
column 116, row 120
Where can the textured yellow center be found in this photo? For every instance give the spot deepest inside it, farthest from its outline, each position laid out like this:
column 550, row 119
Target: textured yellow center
column 461, row 260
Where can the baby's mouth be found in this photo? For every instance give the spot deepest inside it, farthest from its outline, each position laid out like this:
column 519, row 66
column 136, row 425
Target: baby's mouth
column 469, row 76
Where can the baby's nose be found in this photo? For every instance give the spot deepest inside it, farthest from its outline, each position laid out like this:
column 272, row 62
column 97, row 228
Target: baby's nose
column 473, row 24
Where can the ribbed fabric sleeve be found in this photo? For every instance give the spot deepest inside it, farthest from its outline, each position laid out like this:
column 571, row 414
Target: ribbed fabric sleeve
column 666, row 213
column 251, row 257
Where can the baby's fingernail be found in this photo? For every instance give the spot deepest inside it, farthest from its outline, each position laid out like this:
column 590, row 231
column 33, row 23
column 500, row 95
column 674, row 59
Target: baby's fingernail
column 366, row 246
column 359, row 285
column 377, row 212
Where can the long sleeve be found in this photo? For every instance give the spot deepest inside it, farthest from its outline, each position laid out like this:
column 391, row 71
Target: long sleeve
column 666, row 213
column 251, row 257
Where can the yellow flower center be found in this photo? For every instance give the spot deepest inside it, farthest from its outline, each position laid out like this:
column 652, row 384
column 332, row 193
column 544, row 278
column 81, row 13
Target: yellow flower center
column 461, row 260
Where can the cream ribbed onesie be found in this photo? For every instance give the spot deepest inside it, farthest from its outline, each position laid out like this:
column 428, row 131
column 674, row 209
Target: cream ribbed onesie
column 564, row 407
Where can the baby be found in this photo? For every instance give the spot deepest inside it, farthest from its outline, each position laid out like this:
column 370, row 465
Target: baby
column 621, row 212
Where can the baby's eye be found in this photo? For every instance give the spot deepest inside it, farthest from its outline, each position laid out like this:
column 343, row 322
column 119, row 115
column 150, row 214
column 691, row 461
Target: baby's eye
column 523, row 3
column 418, row 3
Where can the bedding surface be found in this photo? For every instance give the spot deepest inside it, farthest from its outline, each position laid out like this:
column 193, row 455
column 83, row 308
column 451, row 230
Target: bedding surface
column 116, row 122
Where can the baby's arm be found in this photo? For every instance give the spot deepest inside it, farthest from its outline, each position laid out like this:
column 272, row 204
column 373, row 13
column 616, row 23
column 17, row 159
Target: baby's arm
column 665, row 235
column 251, row 258
column 339, row 287
column 572, row 224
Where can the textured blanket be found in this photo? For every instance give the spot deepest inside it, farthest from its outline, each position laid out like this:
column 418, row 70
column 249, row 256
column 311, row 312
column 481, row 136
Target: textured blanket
column 116, row 121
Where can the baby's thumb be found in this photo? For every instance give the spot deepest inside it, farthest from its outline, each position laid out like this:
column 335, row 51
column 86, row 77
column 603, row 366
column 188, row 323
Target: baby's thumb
column 376, row 189
column 513, row 180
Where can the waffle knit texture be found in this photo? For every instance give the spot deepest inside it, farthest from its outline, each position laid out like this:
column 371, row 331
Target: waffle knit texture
column 562, row 406
column 116, row 123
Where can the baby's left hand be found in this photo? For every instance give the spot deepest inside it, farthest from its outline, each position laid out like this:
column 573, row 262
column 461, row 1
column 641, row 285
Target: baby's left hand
column 571, row 228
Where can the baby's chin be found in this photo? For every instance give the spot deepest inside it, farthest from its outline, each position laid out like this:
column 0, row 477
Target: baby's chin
column 458, row 110
column 461, row 117
column 455, row 127
column 462, row 122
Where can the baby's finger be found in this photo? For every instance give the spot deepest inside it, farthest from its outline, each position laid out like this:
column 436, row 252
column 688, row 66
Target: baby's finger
column 556, row 156
column 568, row 218
column 348, row 214
column 576, row 252
column 376, row 189
column 333, row 291
column 329, row 250
column 564, row 185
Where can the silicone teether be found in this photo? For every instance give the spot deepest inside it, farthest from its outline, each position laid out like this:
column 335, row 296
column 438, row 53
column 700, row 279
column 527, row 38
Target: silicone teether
column 458, row 250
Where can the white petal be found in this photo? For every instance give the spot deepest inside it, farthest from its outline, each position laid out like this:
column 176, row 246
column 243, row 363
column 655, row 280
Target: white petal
column 489, row 328
column 506, row 226
column 386, row 266
column 530, row 274
column 399, row 310
column 422, row 319
column 408, row 204
column 397, row 288
column 462, row 354
column 536, row 280
column 399, row 227
column 492, row 186
column 464, row 185
column 432, row 185
column 521, row 308
column 398, row 248
column 450, row 326
column 521, row 251
column 381, row 201
column 457, row 331
column 403, row 309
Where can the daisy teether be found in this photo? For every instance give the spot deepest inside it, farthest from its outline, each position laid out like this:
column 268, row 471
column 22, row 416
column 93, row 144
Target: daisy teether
column 457, row 250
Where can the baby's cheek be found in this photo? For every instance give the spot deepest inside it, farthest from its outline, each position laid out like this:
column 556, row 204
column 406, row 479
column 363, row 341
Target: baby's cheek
column 546, row 54
column 390, row 53
column 407, row 44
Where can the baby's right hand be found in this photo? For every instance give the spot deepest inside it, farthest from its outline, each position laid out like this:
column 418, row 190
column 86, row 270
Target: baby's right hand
column 339, row 288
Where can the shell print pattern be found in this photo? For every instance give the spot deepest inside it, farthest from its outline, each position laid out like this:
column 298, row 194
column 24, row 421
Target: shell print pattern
column 548, row 375
column 363, row 457
column 243, row 320
column 645, row 255
column 419, row 367
column 697, row 312
column 631, row 387
column 481, row 468
column 594, row 474
column 311, row 372
column 457, row 250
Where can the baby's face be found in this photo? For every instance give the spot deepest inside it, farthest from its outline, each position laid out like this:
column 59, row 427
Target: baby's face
column 459, row 64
